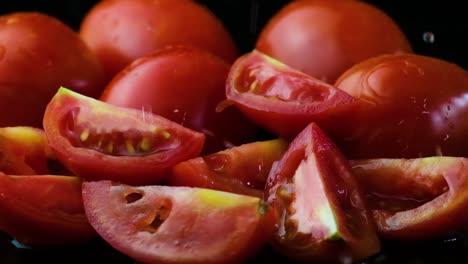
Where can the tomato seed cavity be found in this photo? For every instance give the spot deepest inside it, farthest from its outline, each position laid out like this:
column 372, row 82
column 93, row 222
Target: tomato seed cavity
column 131, row 142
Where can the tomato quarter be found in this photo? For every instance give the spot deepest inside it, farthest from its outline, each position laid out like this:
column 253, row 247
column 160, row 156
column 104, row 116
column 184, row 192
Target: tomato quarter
column 162, row 224
column 96, row 140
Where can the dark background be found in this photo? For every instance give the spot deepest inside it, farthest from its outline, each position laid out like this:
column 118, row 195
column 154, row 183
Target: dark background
column 446, row 20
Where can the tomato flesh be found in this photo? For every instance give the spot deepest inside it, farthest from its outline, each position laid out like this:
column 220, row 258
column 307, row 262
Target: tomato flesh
column 420, row 198
column 162, row 224
column 96, row 140
column 323, row 216
column 281, row 99
column 242, row 169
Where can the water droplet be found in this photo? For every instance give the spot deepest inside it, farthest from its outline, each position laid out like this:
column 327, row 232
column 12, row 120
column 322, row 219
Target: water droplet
column 428, row 37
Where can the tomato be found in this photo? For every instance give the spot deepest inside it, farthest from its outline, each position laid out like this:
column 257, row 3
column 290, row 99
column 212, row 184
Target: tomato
column 38, row 53
column 96, row 140
column 120, row 31
column 162, row 224
column 323, row 216
column 43, row 210
column 183, row 84
column 241, row 169
column 420, row 198
column 410, row 106
column 282, row 99
column 323, row 38
column 23, row 151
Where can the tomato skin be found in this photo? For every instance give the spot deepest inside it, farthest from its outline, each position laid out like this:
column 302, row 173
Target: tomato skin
column 242, row 169
column 23, row 151
column 43, row 210
column 281, row 99
column 183, row 84
column 120, row 31
column 422, row 198
column 96, row 140
column 38, row 54
column 323, row 215
column 409, row 106
column 323, row 38
column 194, row 225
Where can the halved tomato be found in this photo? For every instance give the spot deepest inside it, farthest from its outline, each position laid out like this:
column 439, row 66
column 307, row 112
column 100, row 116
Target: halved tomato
column 96, row 140
column 415, row 198
column 242, row 169
column 282, row 99
column 23, row 151
column 43, row 210
column 163, row 224
column 323, row 216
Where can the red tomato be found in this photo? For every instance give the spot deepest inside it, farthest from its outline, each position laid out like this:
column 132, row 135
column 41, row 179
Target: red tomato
column 38, row 53
column 241, row 169
column 323, row 38
column 120, row 31
column 23, row 151
column 96, row 140
column 282, row 99
column 43, row 210
column 323, row 216
column 161, row 224
column 410, row 106
column 420, row 198
column 183, row 84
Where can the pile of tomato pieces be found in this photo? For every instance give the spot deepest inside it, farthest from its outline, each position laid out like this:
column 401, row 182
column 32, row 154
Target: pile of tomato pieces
column 187, row 158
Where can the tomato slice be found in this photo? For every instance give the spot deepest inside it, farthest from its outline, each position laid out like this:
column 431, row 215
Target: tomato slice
column 323, row 216
column 415, row 198
column 23, row 151
column 282, row 99
column 242, row 169
column 96, row 140
column 43, row 210
column 163, row 224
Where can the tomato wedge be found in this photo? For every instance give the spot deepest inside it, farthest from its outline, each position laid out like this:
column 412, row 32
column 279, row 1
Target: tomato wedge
column 96, row 140
column 416, row 198
column 23, row 151
column 163, row 224
column 281, row 99
column 242, row 169
column 43, row 210
column 323, row 216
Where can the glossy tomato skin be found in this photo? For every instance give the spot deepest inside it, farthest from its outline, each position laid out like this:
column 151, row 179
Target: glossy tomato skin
column 43, row 210
column 162, row 224
column 323, row 38
column 410, row 106
column 96, row 140
column 120, row 31
column 38, row 54
column 421, row 198
column 183, row 84
column 323, row 215
column 242, row 169
column 281, row 99
column 23, row 151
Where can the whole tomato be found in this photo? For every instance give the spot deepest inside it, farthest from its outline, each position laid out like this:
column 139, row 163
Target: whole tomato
column 323, row 38
column 183, row 84
column 119, row 31
column 410, row 106
column 38, row 54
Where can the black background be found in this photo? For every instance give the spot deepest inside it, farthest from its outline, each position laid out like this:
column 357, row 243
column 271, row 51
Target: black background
column 244, row 19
